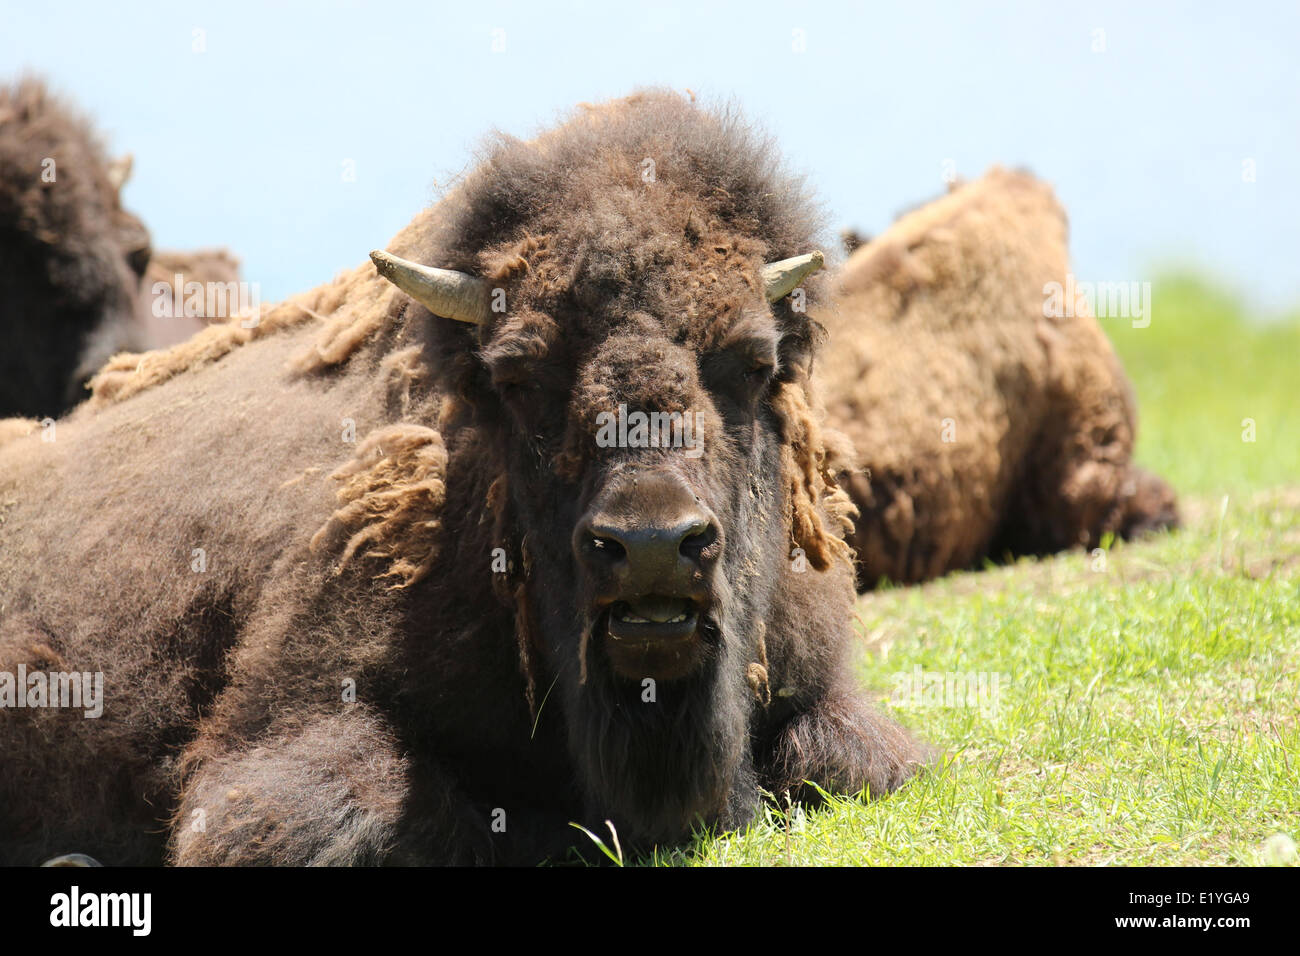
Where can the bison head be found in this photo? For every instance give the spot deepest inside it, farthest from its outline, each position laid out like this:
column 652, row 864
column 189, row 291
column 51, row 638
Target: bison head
column 638, row 348
column 71, row 258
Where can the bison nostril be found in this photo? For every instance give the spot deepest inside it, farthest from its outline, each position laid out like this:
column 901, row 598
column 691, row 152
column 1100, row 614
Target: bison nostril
column 698, row 537
column 611, row 549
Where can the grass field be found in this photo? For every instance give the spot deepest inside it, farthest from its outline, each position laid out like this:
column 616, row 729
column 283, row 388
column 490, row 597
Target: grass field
column 1147, row 698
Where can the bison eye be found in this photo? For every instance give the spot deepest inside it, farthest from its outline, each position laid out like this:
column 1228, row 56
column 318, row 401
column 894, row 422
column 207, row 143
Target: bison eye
column 741, row 377
column 757, row 379
column 511, row 389
column 138, row 259
column 510, row 375
column 519, row 394
column 760, row 374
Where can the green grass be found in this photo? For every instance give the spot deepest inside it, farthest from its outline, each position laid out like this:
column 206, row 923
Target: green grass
column 1150, row 699
column 1200, row 369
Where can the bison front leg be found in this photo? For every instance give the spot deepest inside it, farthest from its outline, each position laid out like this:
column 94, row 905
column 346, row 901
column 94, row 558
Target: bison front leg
column 326, row 792
column 840, row 743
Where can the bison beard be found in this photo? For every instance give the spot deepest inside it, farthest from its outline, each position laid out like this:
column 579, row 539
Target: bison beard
column 696, row 735
column 486, row 585
column 695, row 730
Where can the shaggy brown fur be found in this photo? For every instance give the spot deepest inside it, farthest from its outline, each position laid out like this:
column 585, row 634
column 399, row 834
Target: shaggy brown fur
column 389, row 647
column 981, row 426
column 11, row 428
column 70, row 257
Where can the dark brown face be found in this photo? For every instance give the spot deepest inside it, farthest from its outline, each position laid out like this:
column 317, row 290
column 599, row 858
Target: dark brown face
column 639, row 370
column 648, row 540
column 77, row 299
column 127, row 250
column 667, row 465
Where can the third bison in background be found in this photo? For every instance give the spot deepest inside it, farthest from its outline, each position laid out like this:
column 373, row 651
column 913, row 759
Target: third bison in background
column 984, row 423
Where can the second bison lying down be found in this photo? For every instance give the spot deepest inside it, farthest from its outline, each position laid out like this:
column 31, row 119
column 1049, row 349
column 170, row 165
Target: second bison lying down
column 982, row 426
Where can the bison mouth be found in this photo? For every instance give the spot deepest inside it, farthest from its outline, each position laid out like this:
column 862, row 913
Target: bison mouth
column 653, row 636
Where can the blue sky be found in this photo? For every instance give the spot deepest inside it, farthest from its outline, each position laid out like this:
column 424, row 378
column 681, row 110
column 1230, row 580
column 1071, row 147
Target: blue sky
column 1149, row 129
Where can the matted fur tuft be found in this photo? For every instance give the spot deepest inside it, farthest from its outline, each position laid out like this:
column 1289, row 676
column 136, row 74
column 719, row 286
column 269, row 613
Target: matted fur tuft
column 391, row 502
column 812, row 488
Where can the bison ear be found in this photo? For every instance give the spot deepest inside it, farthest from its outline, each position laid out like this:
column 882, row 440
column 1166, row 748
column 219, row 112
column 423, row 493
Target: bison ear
column 119, row 171
column 783, row 277
column 444, row 292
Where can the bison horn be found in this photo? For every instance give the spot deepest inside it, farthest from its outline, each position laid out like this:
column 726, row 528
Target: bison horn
column 444, row 292
column 783, row 277
column 119, row 171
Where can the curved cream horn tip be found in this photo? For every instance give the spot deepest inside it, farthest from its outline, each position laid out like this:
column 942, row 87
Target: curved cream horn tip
column 119, row 171
column 444, row 292
column 783, row 277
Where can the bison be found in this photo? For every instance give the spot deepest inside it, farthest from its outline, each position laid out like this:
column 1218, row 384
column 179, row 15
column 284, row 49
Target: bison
column 529, row 522
column 989, row 418
column 71, row 257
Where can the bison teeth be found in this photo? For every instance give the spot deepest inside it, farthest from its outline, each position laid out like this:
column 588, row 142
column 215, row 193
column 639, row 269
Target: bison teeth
column 633, row 619
column 650, row 614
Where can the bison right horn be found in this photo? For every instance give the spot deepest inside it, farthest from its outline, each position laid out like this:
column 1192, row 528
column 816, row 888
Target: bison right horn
column 444, row 292
column 783, row 277
column 119, row 171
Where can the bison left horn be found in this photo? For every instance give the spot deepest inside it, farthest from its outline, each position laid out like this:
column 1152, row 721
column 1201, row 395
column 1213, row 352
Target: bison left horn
column 444, row 292
column 783, row 277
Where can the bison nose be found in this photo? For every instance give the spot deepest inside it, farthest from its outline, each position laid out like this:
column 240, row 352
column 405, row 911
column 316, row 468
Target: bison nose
column 650, row 550
column 645, row 541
